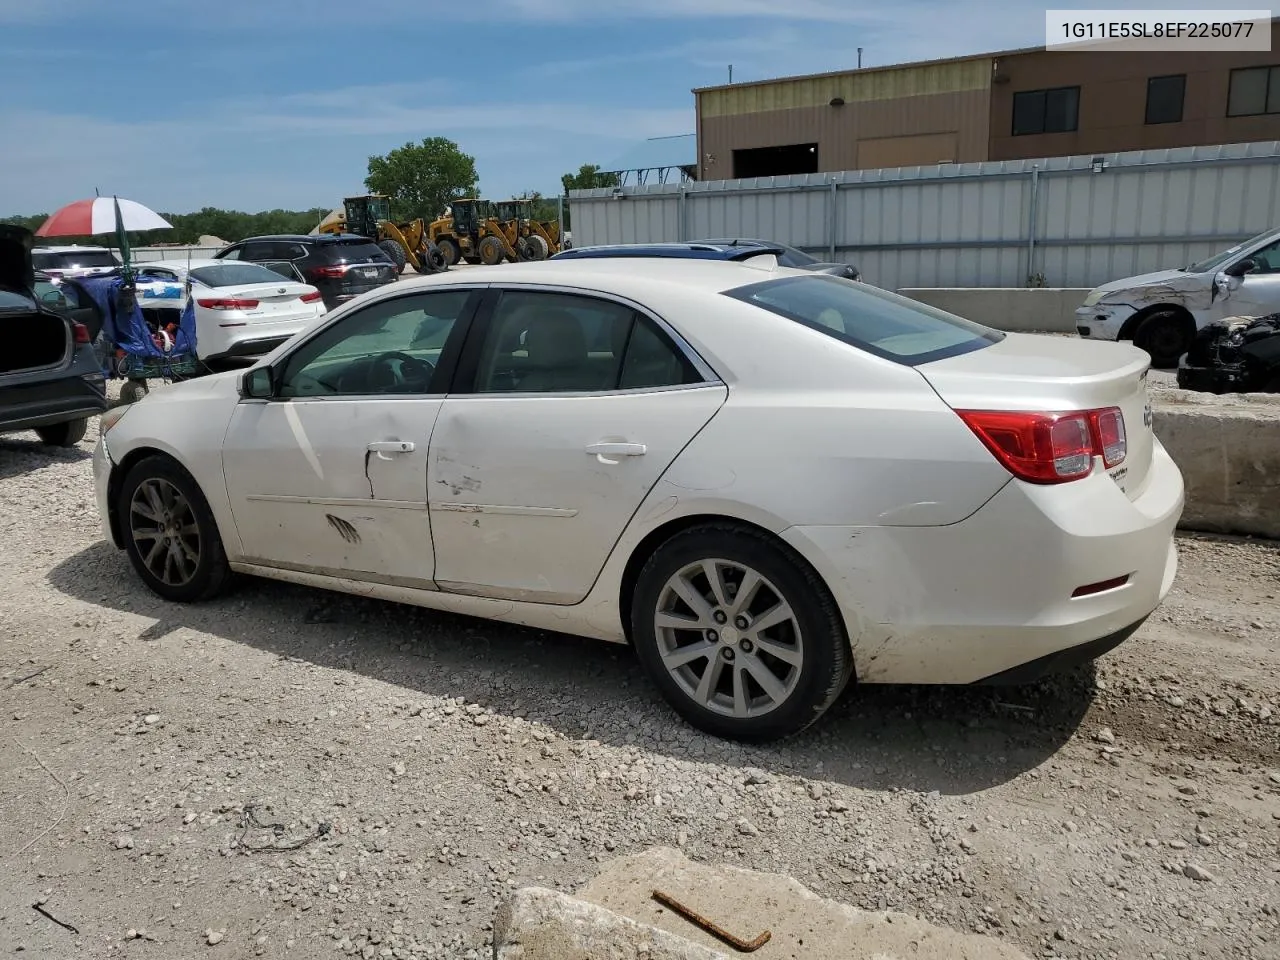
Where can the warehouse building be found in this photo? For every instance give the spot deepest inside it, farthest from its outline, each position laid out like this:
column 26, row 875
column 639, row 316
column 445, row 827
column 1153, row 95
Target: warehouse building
column 1021, row 104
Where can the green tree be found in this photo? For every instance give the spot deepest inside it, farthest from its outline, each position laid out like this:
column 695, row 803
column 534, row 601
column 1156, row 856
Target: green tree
column 588, row 177
column 421, row 178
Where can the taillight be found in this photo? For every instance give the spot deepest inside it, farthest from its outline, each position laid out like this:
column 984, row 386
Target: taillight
column 332, row 273
column 81, row 333
column 311, row 297
column 228, row 304
column 1050, row 447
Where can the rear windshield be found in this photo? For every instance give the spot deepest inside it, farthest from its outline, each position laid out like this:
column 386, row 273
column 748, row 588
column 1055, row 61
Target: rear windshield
column 871, row 319
column 233, row 273
column 70, row 260
column 354, row 250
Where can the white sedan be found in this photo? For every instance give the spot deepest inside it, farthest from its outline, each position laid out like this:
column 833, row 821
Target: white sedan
column 241, row 309
column 767, row 480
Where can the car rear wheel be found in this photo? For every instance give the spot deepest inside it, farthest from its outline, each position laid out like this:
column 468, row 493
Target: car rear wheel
column 169, row 531
column 66, row 434
column 740, row 635
column 1166, row 336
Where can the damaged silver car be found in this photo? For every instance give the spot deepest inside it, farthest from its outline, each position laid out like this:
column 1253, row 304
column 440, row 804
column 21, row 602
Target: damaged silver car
column 1161, row 312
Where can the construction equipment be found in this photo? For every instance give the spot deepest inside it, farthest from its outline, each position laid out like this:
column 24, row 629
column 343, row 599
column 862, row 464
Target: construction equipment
column 405, row 241
column 469, row 230
column 532, row 239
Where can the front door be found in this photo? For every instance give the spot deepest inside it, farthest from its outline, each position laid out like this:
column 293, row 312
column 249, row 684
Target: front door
column 1257, row 293
column 573, row 408
column 330, row 475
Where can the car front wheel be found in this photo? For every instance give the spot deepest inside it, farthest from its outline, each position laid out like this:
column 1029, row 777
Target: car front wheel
column 170, row 533
column 740, row 635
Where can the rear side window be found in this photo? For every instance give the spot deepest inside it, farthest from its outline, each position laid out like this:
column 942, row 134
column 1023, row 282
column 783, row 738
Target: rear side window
column 352, row 251
column 882, row 323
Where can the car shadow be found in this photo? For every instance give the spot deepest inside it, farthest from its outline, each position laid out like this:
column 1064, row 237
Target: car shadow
column 955, row 740
column 19, row 455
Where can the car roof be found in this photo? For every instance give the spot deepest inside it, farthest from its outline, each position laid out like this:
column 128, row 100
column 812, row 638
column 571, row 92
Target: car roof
column 306, row 238
column 181, row 265
column 685, row 251
column 71, row 248
column 613, row 274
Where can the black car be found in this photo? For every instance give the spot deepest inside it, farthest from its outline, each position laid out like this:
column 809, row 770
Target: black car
column 50, row 379
column 793, row 257
column 341, row 267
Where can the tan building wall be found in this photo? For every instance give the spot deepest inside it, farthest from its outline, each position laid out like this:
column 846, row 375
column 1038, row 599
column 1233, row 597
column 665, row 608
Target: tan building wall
column 903, row 116
column 1113, row 99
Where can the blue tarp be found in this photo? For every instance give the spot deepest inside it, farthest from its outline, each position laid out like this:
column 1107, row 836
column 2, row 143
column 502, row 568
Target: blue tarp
column 129, row 331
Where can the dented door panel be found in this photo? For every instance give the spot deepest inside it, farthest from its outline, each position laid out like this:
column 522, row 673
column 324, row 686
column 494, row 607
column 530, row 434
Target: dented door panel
column 309, row 494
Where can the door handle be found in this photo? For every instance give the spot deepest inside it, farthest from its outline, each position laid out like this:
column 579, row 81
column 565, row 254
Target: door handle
column 610, row 452
column 384, row 447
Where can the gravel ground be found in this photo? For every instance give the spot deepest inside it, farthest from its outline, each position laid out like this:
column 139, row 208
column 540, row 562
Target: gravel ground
column 420, row 766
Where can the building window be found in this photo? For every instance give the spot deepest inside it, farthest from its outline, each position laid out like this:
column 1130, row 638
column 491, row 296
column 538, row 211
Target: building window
column 1164, row 98
column 1254, row 91
column 782, row 161
column 1046, row 111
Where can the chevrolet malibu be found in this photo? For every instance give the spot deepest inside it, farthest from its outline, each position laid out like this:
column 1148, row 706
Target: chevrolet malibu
column 770, row 482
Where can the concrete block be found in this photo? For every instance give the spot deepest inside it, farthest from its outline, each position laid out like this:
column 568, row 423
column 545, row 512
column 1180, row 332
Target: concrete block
column 1228, row 449
column 803, row 925
column 540, row 924
column 1017, row 309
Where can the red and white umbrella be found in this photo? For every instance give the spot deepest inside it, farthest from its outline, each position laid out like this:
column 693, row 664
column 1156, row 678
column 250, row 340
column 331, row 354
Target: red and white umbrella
column 96, row 215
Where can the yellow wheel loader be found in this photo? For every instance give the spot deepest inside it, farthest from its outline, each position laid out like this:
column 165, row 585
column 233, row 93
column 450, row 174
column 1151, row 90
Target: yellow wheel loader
column 469, row 231
column 404, row 242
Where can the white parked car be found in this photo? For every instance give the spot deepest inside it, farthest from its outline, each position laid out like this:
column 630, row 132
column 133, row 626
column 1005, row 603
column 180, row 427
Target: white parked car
column 767, row 480
column 74, row 260
column 241, row 309
column 1161, row 312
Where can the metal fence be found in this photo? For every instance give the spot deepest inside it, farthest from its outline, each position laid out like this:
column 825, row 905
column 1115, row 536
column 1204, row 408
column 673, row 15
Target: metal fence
column 152, row 254
column 1059, row 222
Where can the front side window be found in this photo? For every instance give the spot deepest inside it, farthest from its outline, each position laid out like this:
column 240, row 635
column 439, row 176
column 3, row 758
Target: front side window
column 879, row 322
column 1266, row 260
column 1046, row 111
column 387, row 348
column 564, row 343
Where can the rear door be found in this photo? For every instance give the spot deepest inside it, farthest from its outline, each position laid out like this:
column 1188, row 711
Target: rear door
column 569, row 409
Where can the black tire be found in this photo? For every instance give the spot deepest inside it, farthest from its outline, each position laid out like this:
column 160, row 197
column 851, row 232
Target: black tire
column 433, row 260
column 473, row 260
column 209, row 573
column 810, row 688
column 491, row 251
column 1165, row 335
column 449, row 248
column 396, row 252
column 131, row 391
column 66, row 434
column 538, row 249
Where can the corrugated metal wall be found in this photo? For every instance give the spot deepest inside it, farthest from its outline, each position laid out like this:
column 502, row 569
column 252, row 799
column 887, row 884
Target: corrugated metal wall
column 969, row 224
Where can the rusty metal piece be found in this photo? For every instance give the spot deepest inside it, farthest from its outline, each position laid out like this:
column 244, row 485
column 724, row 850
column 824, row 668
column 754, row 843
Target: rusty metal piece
column 745, row 946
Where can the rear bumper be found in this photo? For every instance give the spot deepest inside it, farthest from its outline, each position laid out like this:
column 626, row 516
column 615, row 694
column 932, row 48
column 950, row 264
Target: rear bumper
column 44, row 403
column 976, row 599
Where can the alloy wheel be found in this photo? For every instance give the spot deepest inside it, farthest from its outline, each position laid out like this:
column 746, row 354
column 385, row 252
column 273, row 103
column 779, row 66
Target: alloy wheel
column 165, row 532
column 729, row 638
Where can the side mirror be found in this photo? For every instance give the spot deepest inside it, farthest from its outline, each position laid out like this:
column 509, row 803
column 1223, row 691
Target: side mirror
column 256, row 384
column 1241, row 267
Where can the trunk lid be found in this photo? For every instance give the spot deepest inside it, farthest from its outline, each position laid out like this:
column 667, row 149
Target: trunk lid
column 1027, row 372
column 16, row 270
column 273, row 299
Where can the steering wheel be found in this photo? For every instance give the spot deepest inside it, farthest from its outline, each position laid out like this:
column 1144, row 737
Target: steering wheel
column 393, row 369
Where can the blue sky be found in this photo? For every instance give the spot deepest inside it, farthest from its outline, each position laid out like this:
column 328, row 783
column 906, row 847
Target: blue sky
column 254, row 104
